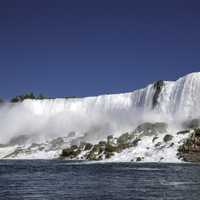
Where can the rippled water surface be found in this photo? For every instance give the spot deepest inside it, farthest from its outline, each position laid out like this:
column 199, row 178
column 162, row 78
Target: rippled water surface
column 41, row 179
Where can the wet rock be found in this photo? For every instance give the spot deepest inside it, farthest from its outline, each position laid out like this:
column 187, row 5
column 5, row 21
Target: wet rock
column 15, row 153
column 74, row 147
column 171, row 145
column 67, row 152
column 41, row 148
column 110, row 139
column 71, row 134
column 19, row 140
column 70, row 153
column 82, row 146
column 96, row 148
column 183, row 132
column 149, row 129
column 106, row 149
column 109, row 155
column 154, row 139
column 167, row 138
column 110, row 148
column 135, row 142
column 191, row 124
column 160, row 127
column 145, row 128
column 56, row 143
column 197, row 132
column 92, row 156
column 34, row 145
column 139, row 159
column 102, row 143
column 123, row 139
column 190, row 150
column 88, row 146
column 158, row 144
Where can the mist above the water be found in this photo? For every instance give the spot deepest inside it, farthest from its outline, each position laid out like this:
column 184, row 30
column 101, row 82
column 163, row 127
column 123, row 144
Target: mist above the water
column 91, row 124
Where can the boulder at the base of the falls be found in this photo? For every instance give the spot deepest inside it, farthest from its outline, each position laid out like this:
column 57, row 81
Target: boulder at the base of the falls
column 190, row 150
column 167, row 138
column 102, row 150
column 183, row 132
column 107, row 149
column 191, row 124
column 139, row 159
column 148, row 129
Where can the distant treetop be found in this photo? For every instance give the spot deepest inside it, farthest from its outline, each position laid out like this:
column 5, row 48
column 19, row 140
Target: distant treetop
column 30, row 95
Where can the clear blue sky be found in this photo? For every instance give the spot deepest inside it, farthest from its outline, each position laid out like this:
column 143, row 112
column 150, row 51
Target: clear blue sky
column 82, row 48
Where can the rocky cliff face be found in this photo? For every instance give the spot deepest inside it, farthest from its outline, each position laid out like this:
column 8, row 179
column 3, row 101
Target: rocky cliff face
column 190, row 150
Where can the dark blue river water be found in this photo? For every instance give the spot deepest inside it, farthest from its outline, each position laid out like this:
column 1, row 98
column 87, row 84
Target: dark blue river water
column 42, row 179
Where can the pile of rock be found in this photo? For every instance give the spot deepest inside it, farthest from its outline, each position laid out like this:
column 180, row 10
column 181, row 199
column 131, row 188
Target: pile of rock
column 102, row 150
column 107, row 149
column 190, row 150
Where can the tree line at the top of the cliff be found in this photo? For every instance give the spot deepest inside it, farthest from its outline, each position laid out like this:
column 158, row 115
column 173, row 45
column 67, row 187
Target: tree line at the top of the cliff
column 31, row 95
column 158, row 85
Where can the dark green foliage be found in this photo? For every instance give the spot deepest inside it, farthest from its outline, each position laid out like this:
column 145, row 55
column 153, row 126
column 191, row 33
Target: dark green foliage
column 70, row 97
column 41, row 96
column 30, row 95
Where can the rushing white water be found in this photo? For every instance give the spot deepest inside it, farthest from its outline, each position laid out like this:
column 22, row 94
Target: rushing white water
column 93, row 118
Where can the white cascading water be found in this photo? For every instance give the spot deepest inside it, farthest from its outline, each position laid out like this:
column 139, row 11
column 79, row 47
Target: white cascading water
column 94, row 118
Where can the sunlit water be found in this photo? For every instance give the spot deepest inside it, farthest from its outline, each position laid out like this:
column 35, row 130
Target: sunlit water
column 40, row 179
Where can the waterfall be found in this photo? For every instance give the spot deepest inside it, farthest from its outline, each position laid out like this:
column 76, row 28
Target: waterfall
column 94, row 118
